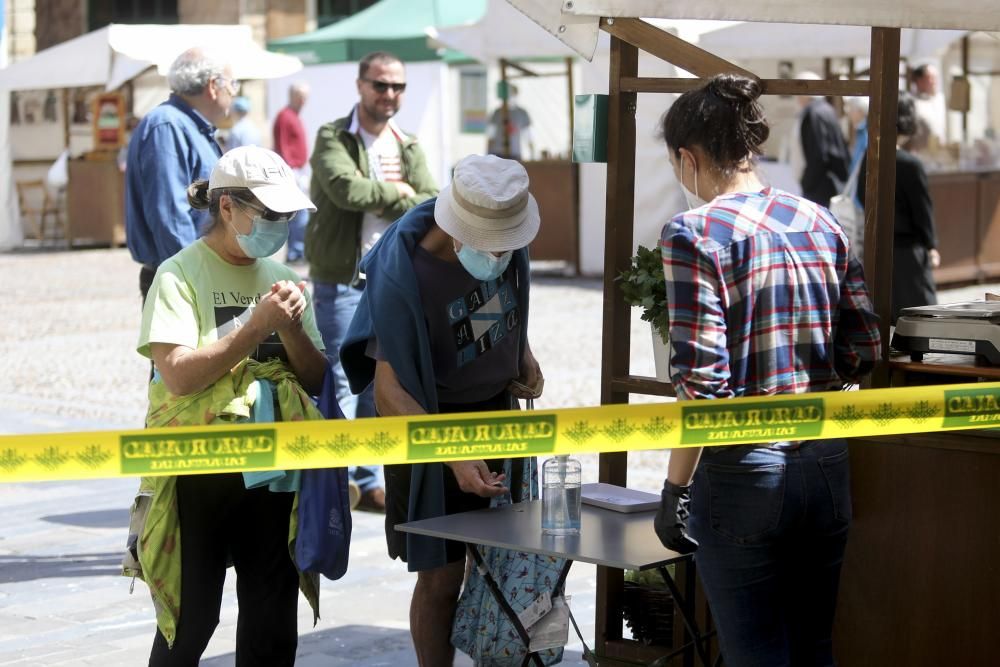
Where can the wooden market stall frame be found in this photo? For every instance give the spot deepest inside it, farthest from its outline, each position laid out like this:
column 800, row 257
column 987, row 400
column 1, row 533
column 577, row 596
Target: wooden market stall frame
column 555, row 183
column 628, row 37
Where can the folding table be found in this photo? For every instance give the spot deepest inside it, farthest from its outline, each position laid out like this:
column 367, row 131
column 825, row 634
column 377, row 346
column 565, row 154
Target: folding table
column 613, row 539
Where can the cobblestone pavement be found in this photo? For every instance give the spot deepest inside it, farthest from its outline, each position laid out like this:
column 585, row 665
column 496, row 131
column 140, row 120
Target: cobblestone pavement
column 68, row 363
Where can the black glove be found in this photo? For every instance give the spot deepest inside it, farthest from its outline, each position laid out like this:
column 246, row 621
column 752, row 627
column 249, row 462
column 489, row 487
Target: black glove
column 670, row 523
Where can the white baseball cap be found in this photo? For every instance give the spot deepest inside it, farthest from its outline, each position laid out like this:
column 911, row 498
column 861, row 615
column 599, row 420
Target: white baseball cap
column 265, row 174
column 487, row 205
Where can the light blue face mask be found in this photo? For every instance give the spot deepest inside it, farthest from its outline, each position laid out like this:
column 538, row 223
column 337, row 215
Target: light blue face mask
column 265, row 238
column 483, row 265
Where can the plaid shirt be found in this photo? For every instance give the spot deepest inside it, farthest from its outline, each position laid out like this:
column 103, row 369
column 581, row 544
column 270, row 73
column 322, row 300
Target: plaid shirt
column 764, row 298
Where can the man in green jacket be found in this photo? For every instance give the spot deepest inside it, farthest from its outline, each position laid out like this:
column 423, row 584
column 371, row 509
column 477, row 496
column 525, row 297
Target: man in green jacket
column 366, row 172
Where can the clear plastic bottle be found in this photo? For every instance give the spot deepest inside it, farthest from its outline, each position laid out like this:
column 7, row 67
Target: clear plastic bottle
column 561, row 484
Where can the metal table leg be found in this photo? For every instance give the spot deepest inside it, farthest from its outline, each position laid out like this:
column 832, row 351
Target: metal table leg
column 685, row 607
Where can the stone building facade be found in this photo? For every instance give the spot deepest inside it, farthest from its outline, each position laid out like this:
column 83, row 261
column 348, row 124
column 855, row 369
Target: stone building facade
column 38, row 24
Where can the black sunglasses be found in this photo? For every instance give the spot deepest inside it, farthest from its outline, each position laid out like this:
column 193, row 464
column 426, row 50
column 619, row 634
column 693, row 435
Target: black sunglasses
column 266, row 213
column 382, row 86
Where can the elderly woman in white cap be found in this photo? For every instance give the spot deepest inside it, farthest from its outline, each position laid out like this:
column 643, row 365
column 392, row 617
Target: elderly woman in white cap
column 441, row 328
column 233, row 338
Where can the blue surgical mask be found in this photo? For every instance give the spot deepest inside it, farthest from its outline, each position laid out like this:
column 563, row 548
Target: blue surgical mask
column 482, row 265
column 265, row 238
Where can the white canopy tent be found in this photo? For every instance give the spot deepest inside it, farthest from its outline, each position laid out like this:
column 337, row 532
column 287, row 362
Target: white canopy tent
column 521, row 38
column 751, row 41
column 576, row 26
column 116, row 53
column 483, row 40
column 110, row 57
column 577, row 23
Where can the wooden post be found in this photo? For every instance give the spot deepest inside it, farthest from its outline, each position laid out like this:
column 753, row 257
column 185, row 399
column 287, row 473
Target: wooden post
column 965, row 75
column 620, row 212
column 572, row 99
column 67, row 110
column 505, row 109
column 571, row 93
column 880, row 183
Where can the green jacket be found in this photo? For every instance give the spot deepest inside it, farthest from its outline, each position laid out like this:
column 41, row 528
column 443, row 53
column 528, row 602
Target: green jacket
column 159, row 547
column 343, row 193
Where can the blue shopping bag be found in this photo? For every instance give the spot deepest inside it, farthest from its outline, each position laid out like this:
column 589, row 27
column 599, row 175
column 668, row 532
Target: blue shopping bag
column 324, row 537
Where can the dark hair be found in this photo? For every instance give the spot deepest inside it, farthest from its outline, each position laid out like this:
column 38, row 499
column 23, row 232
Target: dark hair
column 376, row 57
column 906, row 115
column 919, row 72
column 201, row 198
column 722, row 117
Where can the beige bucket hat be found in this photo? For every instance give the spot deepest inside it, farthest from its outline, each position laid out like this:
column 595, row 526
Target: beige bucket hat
column 487, row 205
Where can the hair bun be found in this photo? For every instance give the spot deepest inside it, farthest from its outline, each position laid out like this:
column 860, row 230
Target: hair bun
column 735, row 88
column 198, row 196
column 722, row 117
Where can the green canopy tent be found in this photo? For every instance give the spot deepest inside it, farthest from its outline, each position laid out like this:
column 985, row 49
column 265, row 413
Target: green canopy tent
column 390, row 25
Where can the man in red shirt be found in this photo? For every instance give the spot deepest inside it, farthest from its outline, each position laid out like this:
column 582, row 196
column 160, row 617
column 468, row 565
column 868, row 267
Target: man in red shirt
column 290, row 144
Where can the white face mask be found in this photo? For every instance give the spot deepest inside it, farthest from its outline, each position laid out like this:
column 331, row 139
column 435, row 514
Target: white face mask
column 692, row 198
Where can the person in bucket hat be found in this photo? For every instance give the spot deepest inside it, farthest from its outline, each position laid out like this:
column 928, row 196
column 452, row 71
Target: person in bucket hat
column 227, row 327
column 442, row 328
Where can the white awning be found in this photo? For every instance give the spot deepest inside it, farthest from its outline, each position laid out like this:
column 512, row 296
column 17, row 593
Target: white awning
column 116, row 53
column 503, row 32
column 772, row 40
column 575, row 22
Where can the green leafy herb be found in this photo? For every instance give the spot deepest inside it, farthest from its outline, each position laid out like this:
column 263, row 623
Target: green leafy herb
column 643, row 285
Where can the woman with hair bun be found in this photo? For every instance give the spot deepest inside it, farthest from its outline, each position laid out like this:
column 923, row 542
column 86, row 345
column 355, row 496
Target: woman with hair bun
column 233, row 339
column 764, row 298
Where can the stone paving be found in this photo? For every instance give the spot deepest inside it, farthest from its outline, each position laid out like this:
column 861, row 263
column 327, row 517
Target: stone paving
column 71, row 322
column 68, row 363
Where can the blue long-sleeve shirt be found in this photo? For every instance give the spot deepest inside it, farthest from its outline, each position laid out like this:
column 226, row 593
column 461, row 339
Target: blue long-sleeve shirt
column 172, row 147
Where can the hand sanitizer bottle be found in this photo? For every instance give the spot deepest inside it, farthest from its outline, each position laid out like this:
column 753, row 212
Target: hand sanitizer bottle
column 561, row 481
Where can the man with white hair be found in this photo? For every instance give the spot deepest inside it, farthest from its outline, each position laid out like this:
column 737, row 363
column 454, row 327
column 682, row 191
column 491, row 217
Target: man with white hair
column 172, row 147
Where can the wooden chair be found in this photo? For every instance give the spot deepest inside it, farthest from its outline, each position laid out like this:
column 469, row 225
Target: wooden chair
column 37, row 207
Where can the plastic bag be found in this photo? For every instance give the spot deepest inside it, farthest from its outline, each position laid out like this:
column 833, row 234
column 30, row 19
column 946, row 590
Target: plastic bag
column 551, row 630
column 850, row 216
column 324, row 539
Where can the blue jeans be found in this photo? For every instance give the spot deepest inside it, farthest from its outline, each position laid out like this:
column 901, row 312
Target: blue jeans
column 335, row 305
column 297, row 236
column 772, row 527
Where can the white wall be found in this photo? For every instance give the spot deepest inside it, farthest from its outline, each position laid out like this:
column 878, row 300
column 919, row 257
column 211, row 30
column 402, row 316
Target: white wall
column 10, row 223
column 657, row 194
column 545, row 98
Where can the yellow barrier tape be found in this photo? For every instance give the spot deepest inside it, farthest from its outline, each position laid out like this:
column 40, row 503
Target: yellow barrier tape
column 608, row 428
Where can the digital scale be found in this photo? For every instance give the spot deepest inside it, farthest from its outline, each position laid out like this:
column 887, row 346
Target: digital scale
column 970, row 327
